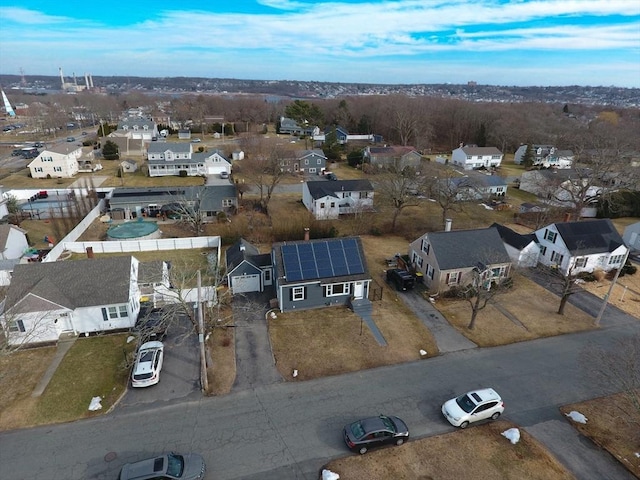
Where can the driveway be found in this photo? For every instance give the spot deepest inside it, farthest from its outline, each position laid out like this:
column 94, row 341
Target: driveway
column 180, row 376
column 447, row 338
column 255, row 363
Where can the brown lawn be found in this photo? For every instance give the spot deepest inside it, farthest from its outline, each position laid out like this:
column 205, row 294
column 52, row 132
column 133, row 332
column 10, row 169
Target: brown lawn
column 614, row 424
column 533, row 307
column 480, row 452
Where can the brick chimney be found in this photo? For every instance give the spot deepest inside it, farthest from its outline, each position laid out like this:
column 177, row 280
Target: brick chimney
column 306, row 234
column 89, row 252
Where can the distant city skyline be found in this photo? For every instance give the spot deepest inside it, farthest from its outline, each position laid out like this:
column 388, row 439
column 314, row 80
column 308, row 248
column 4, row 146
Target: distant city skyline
column 493, row 42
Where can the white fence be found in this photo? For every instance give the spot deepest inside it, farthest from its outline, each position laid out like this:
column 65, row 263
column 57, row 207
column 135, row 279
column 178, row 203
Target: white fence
column 74, row 234
column 143, row 245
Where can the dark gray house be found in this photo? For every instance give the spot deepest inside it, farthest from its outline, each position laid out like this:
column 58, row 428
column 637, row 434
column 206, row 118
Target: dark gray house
column 248, row 270
column 152, row 201
column 320, row 273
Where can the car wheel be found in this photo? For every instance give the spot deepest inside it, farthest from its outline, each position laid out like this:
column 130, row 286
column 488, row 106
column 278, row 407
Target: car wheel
column 464, row 424
column 362, row 450
column 399, row 441
column 495, row 416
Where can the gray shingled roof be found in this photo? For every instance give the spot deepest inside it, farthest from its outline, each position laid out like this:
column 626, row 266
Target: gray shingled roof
column 175, row 147
column 473, row 150
column 238, row 252
column 73, row 284
column 465, row 248
column 323, row 188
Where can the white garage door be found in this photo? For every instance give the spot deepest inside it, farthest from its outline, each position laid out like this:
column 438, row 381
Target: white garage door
column 245, row 283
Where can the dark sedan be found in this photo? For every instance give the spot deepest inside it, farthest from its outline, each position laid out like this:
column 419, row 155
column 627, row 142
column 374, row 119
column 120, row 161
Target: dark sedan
column 371, row 432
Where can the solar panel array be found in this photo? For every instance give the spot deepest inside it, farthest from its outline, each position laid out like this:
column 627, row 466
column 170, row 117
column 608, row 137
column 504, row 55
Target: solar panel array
column 322, row 259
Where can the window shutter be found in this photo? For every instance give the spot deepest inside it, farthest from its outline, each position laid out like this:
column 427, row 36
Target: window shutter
column 291, row 294
column 304, row 293
column 21, row 326
column 105, row 317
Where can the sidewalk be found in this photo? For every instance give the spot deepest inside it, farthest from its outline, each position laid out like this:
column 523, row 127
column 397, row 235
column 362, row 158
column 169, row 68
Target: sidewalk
column 64, row 344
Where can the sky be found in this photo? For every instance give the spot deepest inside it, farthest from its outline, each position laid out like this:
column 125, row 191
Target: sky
column 491, row 42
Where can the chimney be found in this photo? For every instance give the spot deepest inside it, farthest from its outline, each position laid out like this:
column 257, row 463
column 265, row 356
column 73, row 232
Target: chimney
column 306, row 234
column 447, row 225
column 242, row 248
column 89, row 252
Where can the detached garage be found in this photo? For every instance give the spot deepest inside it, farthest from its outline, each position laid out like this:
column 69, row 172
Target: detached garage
column 247, row 269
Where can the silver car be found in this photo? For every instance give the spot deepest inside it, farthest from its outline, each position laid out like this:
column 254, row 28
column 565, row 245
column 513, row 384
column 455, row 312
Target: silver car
column 171, row 466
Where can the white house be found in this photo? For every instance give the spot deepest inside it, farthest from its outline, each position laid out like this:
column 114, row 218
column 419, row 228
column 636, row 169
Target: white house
column 137, row 128
column 57, row 161
column 171, row 158
column 546, row 156
column 523, row 250
column 327, row 199
column 471, row 157
column 45, row 300
column 574, row 247
column 13, row 242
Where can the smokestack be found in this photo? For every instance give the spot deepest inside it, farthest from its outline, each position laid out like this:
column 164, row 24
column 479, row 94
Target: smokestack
column 447, row 225
column 306, row 234
column 89, row 252
column 91, row 80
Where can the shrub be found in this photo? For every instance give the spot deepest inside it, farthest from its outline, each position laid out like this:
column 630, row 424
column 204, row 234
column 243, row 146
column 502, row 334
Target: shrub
column 183, row 173
column 586, row 277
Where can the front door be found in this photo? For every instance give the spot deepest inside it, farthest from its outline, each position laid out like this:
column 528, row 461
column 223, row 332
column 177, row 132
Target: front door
column 358, row 289
column 63, row 323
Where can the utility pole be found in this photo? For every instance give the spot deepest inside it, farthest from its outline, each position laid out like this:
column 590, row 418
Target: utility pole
column 203, row 359
column 613, row 282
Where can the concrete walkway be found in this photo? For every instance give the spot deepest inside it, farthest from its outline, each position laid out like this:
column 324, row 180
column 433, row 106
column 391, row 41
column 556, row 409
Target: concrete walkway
column 255, row 363
column 64, row 344
column 447, row 338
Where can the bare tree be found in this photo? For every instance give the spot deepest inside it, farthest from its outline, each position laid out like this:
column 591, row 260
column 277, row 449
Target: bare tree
column 444, row 190
column 398, row 188
column 480, row 287
column 264, row 169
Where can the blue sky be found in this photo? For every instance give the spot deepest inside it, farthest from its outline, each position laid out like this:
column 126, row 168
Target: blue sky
column 497, row 42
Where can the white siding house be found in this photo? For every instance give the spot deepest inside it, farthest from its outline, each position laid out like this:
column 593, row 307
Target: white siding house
column 59, row 161
column 470, row 157
column 13, row 242
column 329, row 199
column 45, row 300
column 574, row 247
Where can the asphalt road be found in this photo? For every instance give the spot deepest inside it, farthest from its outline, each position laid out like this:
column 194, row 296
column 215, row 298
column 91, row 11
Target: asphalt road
column 289, row 430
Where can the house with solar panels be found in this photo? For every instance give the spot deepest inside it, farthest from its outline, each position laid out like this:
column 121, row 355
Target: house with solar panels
column 327, row 200
column 320, row 273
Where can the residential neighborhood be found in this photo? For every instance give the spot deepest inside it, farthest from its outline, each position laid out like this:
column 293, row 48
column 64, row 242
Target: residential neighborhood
column 209, row 257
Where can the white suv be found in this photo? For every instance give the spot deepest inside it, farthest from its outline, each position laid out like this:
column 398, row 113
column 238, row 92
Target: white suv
column 473, row 406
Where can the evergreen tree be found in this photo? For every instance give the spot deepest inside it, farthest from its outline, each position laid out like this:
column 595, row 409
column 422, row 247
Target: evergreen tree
column 528, row 158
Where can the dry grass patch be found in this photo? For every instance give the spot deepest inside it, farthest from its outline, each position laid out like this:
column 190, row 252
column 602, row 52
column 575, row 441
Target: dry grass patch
column 95, row 366
column 614, row 424
column 222, row 353
column 20, row 372
column 331, row 341
column 478, row 452
column 625, row 294
column 533, row 307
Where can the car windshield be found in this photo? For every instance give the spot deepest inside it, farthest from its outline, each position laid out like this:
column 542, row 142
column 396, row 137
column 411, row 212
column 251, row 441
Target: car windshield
column 465, row 403
column 357, row 430
column 176, row 465
column 388, row 423
column 146, row 355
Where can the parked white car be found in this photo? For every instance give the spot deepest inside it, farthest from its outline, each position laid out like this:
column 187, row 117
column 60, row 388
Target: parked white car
column 472, row 407
column 146, row 371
